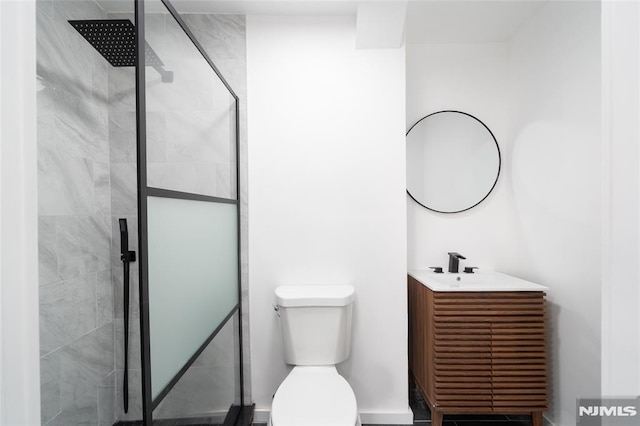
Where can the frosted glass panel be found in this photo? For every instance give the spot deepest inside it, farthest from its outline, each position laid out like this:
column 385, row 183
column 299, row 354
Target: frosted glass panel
column 193, row 279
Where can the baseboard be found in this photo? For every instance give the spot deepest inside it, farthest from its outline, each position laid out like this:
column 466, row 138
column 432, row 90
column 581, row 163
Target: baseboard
column 261, row 415
column 387, row 418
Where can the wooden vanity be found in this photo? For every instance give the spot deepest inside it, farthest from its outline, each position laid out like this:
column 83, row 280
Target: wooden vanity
column 480, row 352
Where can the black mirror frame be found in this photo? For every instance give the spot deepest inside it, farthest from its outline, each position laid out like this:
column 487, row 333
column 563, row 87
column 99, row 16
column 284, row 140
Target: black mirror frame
column 499, row 161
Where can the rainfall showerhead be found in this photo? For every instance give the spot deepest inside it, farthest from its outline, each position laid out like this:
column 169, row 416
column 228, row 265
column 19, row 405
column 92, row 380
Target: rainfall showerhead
column 115, row 40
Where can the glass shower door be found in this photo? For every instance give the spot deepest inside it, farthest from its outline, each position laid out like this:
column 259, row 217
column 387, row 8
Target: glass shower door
column 189, row 223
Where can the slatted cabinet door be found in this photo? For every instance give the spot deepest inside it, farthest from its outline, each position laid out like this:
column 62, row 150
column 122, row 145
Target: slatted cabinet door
column 481, row 352
column 462, row 358
column 519, row 366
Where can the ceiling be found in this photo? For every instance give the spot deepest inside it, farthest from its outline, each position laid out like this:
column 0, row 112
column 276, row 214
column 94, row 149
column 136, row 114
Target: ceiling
column 244, row 7
column 427, row 21
column 468, row 21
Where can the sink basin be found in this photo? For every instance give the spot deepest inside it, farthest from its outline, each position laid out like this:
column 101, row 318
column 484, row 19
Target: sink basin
column 479, row 281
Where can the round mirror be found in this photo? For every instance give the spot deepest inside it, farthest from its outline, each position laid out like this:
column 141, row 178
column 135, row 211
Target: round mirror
column 453, row 161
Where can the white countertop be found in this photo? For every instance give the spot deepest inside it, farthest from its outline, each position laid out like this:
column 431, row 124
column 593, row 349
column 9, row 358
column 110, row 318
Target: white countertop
column 481, row 280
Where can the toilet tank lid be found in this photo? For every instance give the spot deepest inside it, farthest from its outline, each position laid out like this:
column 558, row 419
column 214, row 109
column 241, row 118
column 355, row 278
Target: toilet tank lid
column 314, row 295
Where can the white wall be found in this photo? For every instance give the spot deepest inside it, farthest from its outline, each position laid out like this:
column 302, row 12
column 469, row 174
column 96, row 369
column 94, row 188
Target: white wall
column 621, row 190
column 555, row 118
column 469, row 78
column 540, row 94
column 326, row 187
column 19, row 358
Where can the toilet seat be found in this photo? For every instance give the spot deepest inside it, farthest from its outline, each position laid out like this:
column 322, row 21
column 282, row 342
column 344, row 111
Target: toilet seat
column 314, row 396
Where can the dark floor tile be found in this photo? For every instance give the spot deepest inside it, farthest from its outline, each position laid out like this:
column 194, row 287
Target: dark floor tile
column 492, row 423
column 421, row 416
column 477, row 417
column 445, row 423
column 421, row 412
column 198, row 421
column 201, row 423
column 519, row 417
column 164, row 422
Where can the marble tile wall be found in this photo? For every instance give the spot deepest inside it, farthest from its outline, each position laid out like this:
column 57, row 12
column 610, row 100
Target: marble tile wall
column 122, row 149
column 74, row 182
column 122, row 156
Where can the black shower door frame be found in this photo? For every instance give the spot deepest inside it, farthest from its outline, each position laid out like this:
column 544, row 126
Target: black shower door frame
column 240, row 414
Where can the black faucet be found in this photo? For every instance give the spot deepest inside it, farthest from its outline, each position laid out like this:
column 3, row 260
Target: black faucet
column 454, row 261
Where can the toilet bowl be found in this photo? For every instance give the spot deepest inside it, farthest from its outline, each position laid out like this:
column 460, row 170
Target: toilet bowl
column 314, row 396
column 316, row 335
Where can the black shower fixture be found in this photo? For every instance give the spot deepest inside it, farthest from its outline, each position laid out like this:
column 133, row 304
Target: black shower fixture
column 127, row 256
column 115, row 40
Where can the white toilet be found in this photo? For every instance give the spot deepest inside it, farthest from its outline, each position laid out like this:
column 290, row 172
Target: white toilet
column 316, row 333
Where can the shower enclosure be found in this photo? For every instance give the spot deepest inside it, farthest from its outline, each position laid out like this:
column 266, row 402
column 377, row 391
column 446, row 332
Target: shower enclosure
column 139, row 215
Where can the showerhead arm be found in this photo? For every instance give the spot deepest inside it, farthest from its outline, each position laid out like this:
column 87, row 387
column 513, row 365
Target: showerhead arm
column 165, row 76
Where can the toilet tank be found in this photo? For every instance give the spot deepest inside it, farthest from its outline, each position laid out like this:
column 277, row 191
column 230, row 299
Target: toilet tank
column 315, row 323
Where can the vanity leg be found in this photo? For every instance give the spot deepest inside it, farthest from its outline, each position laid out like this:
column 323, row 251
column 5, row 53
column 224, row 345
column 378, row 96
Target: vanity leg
column 536, row 418
column 436, row 418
